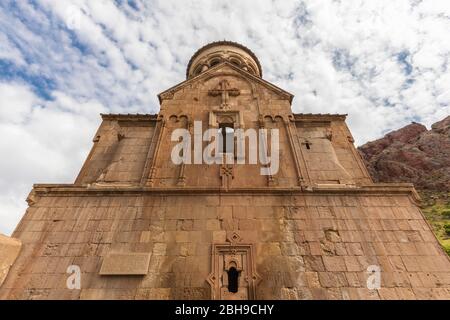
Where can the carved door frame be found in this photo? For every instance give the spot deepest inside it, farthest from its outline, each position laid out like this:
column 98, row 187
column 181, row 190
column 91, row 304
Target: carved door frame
column 226, row 250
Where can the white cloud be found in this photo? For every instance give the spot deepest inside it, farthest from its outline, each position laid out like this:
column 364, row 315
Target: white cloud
column 9, row 52
column 37, row 137
column 16, row 103
column 383, row 62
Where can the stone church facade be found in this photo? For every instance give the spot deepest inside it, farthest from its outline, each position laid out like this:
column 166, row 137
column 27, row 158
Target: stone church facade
column 135, row 225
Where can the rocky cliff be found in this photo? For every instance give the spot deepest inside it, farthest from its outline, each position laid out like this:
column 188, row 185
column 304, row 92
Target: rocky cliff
column 412, row 154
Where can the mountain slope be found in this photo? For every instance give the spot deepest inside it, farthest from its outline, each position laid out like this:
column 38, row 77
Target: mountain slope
column 415, row 154
column 412, row 154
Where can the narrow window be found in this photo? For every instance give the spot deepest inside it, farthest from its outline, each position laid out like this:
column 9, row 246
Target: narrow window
column 198, row 71
column 307, row 145
column 226, row 136
column 233, row 280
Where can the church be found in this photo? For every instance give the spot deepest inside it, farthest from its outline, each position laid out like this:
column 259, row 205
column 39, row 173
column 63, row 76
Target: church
column 308, row 224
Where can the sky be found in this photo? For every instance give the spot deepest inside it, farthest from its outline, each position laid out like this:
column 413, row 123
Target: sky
column 385, row 63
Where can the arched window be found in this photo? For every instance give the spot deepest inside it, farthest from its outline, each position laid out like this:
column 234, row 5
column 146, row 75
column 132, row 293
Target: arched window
column 226, row 138
column 235, row 61
column 233, row 280
column 214, row 62
column 198, row 71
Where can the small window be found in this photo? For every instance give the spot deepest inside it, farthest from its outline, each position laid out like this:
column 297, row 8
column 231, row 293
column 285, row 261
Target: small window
column 233, row 280
column 235, row 62
column 214, row 62
column 198, row 71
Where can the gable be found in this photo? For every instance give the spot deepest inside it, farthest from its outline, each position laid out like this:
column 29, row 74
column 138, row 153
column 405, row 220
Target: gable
column 220, row 69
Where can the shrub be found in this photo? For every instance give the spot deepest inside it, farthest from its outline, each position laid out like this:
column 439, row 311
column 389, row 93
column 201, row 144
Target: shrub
column 447, row 249
column 447, row 228
column 446, row 214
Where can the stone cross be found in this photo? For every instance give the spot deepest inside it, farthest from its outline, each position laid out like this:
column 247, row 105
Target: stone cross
column 224, row 90
column 307, row 144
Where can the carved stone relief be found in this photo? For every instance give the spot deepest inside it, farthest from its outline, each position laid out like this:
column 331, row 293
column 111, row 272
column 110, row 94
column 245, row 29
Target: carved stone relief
column 233, row 275
column 225, row 92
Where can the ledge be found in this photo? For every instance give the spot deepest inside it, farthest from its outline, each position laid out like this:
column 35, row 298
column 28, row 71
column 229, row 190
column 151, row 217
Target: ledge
column 130, row 117
column 318, row 117
column 76, row 190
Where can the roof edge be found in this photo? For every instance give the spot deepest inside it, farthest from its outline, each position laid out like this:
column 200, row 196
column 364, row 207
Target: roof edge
column 175, row 87
column 223, row 42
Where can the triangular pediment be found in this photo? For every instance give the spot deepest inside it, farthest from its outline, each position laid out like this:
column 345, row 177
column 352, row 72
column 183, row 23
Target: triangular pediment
column 168, row 94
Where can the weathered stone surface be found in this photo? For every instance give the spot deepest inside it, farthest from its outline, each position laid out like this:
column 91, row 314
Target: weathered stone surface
column 125, row 264
column 9, row 250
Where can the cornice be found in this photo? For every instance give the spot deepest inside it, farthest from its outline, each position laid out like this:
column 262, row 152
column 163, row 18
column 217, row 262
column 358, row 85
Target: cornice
column 129, row 117
column 318, row 117
column 88, row 190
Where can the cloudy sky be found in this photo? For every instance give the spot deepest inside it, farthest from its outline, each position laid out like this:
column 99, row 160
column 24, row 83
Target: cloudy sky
column 385, row 63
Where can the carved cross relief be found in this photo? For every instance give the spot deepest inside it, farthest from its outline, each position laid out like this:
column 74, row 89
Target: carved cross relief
column 225, row 92
column 226, row 174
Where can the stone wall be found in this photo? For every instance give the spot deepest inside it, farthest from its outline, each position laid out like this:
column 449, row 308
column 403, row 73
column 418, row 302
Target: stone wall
column 120, row 151
column 307, row 246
